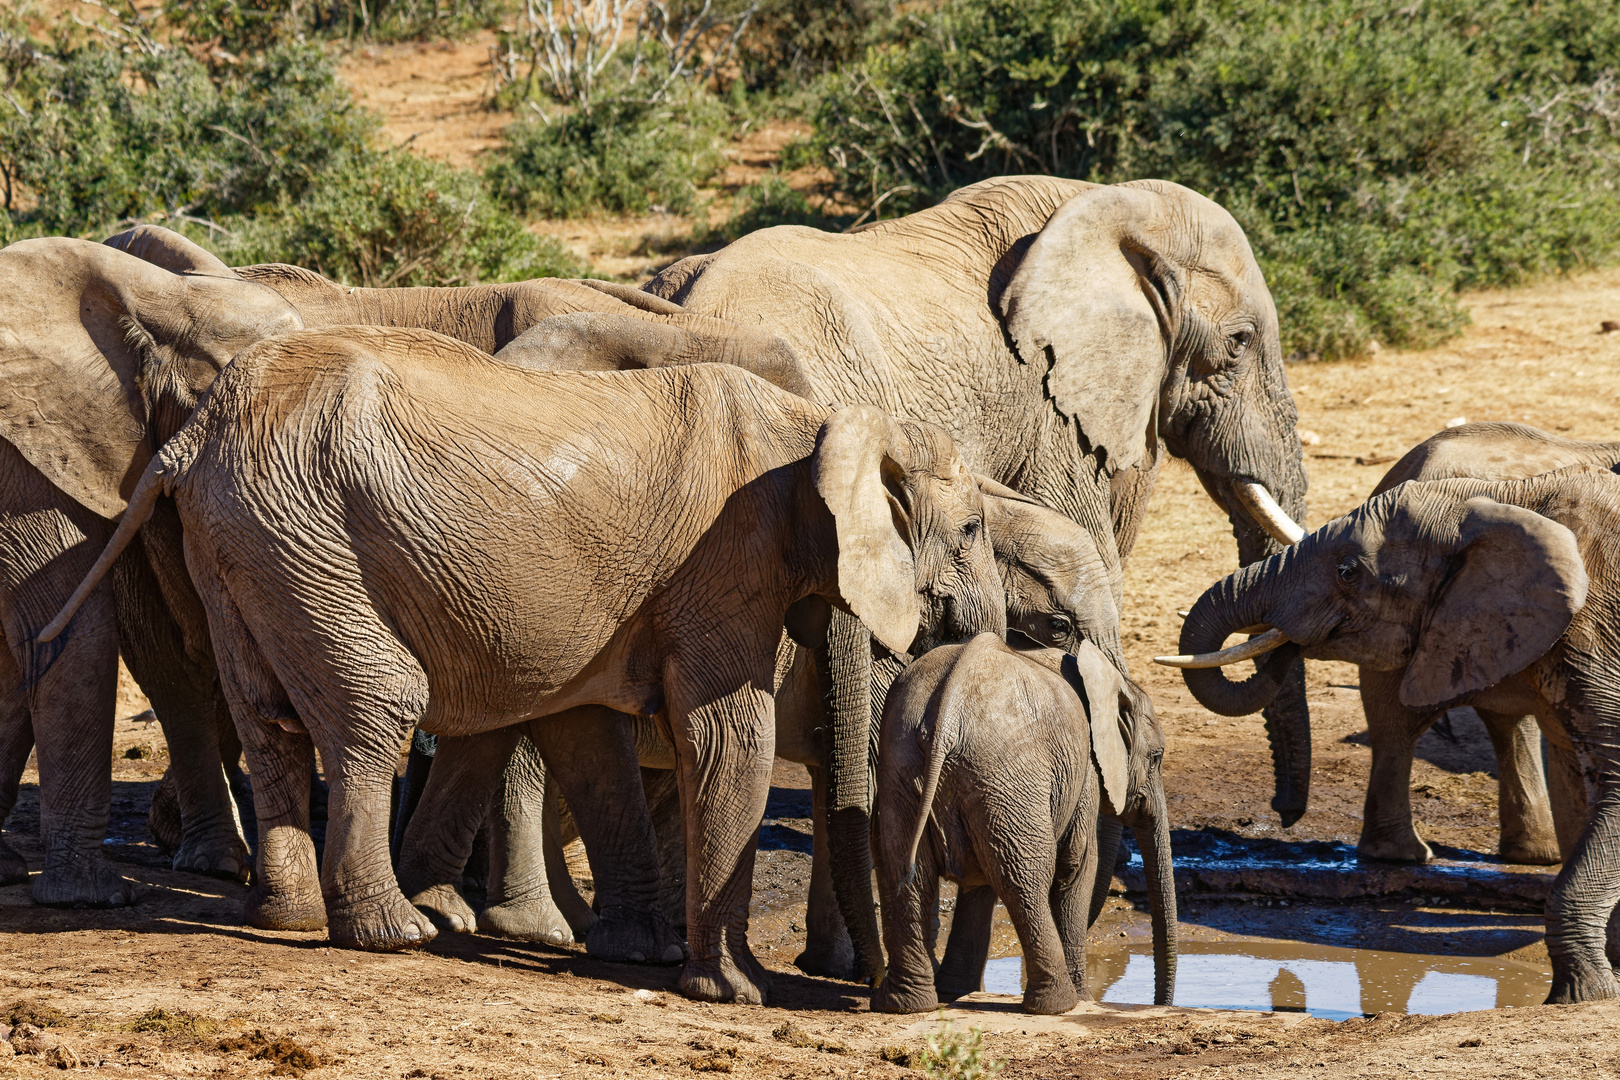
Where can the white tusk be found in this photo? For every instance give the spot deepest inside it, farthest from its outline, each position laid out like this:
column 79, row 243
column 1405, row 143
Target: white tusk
column 1264, row 509
column 1248, row 650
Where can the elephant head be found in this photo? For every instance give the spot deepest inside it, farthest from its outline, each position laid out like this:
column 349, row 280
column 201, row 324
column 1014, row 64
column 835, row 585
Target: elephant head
column 103, row 356
column 1150, row 269
column 1438, row 578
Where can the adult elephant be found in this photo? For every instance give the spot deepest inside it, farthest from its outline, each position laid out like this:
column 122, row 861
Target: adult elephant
column 1064, row 334
column 1535, row 829
column 1499, row 595
column 102, row 357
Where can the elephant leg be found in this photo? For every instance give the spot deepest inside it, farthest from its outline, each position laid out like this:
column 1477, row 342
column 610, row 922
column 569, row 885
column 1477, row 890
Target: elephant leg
column 16, row 743
column 564, row 893
column 418, row 767
column 1566, row 789
column 1022, row 874
column 828, row 950
column 1582, row 903
column 591, row 753
column 1387, row 831
column 663, row 795
column 910, row 916
column 519, row 896
column 967, row 948
column 72, row 707
column 1527, row 834
column 185, row 695
column 1071, row 900
column 442, row 830
column 724, row 747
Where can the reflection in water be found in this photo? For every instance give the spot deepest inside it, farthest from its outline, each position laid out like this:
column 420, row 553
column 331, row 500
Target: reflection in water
column 1295, row 977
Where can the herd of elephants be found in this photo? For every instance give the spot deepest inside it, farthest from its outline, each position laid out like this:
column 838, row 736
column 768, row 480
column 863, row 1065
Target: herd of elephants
column 858, row 501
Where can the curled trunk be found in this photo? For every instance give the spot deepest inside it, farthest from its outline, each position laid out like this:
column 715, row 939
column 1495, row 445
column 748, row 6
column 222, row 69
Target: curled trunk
column 1231, row 605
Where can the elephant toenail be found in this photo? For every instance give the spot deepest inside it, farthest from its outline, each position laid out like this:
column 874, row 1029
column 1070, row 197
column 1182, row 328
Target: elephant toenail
column 674, row 953
column 638, row 958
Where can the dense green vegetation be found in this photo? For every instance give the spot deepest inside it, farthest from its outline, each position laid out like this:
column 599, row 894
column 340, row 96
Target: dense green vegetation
column 1381, row 154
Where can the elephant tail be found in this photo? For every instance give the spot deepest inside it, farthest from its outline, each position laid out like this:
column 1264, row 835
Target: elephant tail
column 947, row 713
column 162, row 473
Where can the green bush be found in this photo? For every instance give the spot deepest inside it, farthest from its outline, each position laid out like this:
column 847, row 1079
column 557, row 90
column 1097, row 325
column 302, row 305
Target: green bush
column 769, row 202
column 620, row 155
column 791, row 41
column 393, row 218
column 1380, row 155
column 100, row 136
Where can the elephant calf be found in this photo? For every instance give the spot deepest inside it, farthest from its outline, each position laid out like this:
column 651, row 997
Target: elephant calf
column 390, row 528
column 985, row 776
column 1502, row 595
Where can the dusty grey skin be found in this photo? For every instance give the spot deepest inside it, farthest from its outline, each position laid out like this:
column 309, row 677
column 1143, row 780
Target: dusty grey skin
column 1502, row 595
column 1057, row 595
column 389, row 528
column 102, row 357
column 1065, row 335
column 992, row 766
column 1535, row 829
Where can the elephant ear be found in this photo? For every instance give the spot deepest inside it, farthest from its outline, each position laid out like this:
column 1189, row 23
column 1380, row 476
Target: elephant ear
column 84, row 331
column 858, row 473
column 168, row 249
column 1091, row 298
column 1519, row 584
column 1098, row 683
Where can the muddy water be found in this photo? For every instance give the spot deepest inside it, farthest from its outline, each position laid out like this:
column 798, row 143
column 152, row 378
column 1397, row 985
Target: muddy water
column 1320, row 980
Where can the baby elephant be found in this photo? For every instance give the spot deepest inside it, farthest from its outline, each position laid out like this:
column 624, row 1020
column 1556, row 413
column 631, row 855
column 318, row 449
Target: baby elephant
column 985, row 776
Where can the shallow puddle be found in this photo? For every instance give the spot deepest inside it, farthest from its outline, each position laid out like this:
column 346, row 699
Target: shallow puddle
column 1293, row 977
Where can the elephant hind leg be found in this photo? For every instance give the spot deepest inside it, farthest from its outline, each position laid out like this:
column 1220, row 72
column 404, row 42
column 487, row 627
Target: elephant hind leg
column 1026, row 888
column 967, row 948
column 520, row 896
column 910, row 914
column 1527, row 835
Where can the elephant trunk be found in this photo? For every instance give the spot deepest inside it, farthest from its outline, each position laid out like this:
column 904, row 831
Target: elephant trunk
column 1153, row 837
column 848, row 669
column 1228, row 607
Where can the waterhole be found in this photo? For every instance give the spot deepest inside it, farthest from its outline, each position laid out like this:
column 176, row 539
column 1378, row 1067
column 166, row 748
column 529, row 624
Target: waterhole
column 1294, row 977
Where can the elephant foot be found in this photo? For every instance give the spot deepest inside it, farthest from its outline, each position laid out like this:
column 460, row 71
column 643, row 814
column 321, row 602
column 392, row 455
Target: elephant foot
column 1581, row 982
column 86, row 881
column 891, row 997
column 302, row 910
column 949, row 989
column 1394, row 847
column 636, row 938
column 446, row 909
column 163, row 817
column 830, row 959
column 1051, row 1000
column 13, row 867
column 527, row 920
column 216, row 853
column 382, row 923
column 1531, row 851
column 733, row 976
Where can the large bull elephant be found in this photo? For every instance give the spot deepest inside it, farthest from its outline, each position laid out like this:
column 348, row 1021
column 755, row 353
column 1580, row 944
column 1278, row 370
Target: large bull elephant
column 1499, row 595
column 102, row 357
column 1065, row 334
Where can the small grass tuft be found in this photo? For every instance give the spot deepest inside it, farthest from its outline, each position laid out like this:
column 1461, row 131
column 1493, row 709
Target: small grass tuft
column 290, row 1058
column 174, row 1022
column 950, row 1054
column 798, row 1038
column 903, row 1056
column 29, row 1011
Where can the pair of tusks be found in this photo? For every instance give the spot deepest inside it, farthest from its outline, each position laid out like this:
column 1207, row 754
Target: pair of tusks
column 1264, row 509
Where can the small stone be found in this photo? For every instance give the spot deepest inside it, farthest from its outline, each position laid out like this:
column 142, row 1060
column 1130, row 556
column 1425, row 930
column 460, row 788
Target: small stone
column 1373, row 347
column 1307, row 437
column 1457, row 421
column 1610, row 326
column 61, row 1056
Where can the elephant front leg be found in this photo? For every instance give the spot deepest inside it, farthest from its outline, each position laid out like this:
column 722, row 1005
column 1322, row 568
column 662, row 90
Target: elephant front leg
column 1387, row 831
column 828, row 950
column 967, row 949
column 441, row 830
column 1526, row 816
column 591, row 753
column 724, row 750
column 72, row 712
column 1582, row 903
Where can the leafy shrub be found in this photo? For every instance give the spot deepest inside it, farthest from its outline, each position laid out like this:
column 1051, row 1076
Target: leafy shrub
column 100, row 136
column 951, row 1054
column 1379, row 154
column 619, row 155
column 769, row 202
column 792, row 41
column 393, row 218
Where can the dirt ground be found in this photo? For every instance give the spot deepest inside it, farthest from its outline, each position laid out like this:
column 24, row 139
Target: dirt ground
column 237, row 1001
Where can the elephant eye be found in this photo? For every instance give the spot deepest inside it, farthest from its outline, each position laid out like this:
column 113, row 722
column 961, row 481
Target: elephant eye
column 1239, row 343
column 1348, row 570
column 970, row 531
column 1059, row 625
